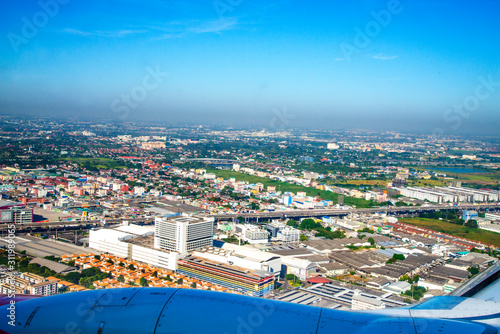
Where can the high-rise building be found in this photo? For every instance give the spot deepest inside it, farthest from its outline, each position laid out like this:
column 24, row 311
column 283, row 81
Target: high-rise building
column 183, row 234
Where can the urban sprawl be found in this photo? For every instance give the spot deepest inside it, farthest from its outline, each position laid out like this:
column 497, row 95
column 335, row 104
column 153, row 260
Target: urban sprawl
column 337, row 219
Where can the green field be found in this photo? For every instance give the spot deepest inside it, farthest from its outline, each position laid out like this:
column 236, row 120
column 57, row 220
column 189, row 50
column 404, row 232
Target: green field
column 99, row 163
column 486, row 237
column 284, row 187
column 488, row 178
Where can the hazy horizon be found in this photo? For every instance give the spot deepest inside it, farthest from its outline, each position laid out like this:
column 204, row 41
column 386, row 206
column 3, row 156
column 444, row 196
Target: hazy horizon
column 387, row 65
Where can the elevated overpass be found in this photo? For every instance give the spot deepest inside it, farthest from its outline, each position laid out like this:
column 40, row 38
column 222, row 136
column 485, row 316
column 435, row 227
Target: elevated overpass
column 257, row 216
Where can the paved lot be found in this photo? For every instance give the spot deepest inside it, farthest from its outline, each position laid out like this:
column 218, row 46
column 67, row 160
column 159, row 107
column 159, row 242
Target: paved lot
column 42, row 248
column 40, row 214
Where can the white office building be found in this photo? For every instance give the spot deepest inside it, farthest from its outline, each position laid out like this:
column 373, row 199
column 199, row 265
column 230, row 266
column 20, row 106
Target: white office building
column 183, row 234
column 131, row 242
column 253, row 234
column 289, row 234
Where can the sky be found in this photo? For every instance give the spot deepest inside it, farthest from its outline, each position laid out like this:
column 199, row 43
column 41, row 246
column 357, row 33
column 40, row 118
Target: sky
column 419, row 65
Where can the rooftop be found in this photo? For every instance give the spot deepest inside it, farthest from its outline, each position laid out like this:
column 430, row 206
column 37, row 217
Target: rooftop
column 57, row 267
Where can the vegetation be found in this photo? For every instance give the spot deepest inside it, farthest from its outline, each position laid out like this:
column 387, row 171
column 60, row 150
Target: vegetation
column 143, row 282
column 366, row 230
column 415, row 292
column 473, row 271
column 288, row 187
column 293, row 280
column 396, row 257
column 487, row 237
column 310, row 224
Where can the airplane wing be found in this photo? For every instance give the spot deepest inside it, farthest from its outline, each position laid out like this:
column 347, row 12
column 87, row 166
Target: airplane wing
column 189, row 311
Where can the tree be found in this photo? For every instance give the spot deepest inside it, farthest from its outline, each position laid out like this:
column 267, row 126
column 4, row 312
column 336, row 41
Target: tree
column 143, row 282
column 85, row 281
column 97, row 257
column 472, row 224
column 155, row 274
column 307, row 224
column 193, row 285
column 473, row 271
column 303, row 237
column 131, row 267
column 371, row 241
column 179, row 281
column 121, row 279
column 121, row 264
column 398, row 257
column 73, row 277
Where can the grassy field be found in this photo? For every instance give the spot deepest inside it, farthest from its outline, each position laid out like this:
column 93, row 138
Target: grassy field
column 488, row 178
column 99, row 163
column 364, row 183
column 486, row 237
column 427, row 183
column 284, row 186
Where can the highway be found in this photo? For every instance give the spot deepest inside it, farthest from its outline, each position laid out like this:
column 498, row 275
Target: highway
column 73, row 223
column 257, row 216
column 337, row 212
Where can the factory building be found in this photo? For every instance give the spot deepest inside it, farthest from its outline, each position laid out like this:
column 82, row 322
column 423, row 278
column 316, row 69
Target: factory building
column 442, row 195
column 249, row 282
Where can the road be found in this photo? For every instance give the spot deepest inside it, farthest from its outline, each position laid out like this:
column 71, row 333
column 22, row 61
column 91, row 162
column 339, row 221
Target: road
column 268, row 215
column 337, row 212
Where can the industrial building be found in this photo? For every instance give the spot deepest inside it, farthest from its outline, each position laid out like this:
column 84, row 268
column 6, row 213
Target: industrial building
column 450, row 194
column 360, row 302
column 255, row 283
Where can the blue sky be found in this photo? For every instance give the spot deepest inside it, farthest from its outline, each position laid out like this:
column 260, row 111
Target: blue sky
column 238, row 61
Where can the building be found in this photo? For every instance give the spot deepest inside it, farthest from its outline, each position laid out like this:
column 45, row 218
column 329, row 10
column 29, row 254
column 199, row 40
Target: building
column 4, row 205
column 469, row 214
column 301, row 268
column 47, row 288
column 360, row 302
column 153, row 145
column 32, row 278
column 397, row 287
column 289, row 235
column 242, row 257
column 450, row 194
column 283, row 232
column 492, row 216
column 133, row 242
column 31, row 284
column 398, row 182
column 183, row 234
column 16, row 215
column 249, row 282
column 252, row 234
